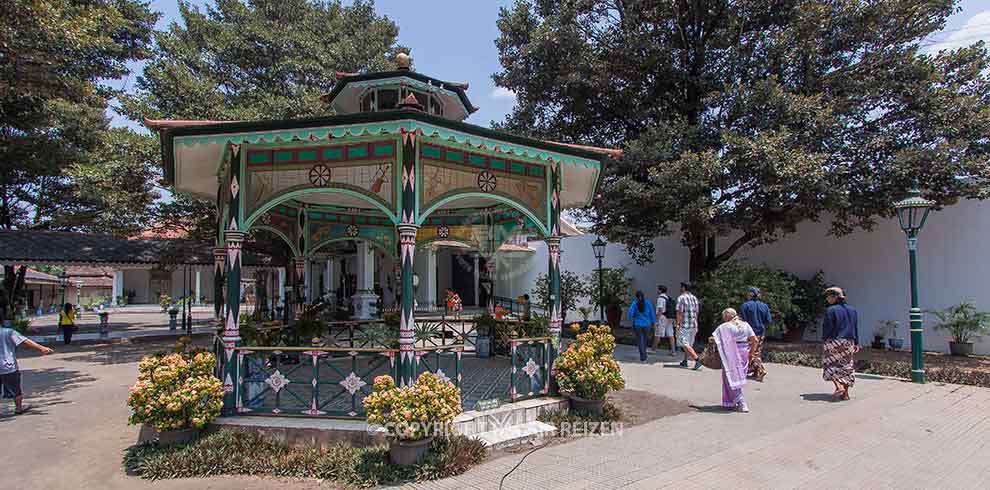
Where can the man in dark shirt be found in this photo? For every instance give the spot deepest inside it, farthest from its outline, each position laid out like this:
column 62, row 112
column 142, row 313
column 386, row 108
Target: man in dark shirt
column 757, row 314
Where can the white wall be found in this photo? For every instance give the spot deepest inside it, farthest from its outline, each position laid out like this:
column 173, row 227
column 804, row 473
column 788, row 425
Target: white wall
column 873, row 267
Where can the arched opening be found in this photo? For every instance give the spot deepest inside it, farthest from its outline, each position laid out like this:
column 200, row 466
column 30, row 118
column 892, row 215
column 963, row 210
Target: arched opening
column 299, row 194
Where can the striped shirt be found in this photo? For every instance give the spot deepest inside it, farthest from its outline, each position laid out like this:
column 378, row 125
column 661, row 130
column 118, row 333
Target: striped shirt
column 687, row 306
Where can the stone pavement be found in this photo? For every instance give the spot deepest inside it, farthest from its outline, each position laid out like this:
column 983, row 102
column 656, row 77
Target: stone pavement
column 892, row 434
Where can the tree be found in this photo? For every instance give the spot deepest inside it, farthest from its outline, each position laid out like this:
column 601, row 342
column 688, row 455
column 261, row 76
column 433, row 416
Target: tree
column 264, row 59
column 53, row 53
column 572, row 291
column 742, row 119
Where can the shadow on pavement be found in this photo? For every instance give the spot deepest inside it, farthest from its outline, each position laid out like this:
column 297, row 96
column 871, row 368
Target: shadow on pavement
column 712, row 409
column 819, row 397
column 44, row 388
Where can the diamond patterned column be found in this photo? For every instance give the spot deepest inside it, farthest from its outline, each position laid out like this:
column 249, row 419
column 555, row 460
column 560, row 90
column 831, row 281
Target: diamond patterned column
column 407, row 325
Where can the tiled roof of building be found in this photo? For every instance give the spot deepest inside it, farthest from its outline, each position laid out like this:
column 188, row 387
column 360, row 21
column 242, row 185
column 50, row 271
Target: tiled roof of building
column 32, row 276
column 67, row 248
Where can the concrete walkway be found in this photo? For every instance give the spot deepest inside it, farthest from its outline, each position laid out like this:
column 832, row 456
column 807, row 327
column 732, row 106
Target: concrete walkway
column 891, row 435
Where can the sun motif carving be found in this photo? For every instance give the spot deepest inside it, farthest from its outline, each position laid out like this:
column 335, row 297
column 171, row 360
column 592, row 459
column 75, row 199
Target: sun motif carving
column 352, row 383
column 443, row 231
column 266, row 219
column 319, row 175
column 531, row 368
column 352, row 230
column 277, row 381
column 487, row 181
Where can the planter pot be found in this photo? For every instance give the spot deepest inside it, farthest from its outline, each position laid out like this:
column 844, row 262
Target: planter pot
column 896, row 344
column 588, row 407
column 613, row 315
column 173, row 437
column 483, row 346
column 961, row 348
column 405, row 453
column 878, row 344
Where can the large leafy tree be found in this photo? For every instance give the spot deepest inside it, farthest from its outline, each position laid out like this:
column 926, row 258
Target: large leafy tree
column 260, row 59
column 741, row 119
column 53, row 53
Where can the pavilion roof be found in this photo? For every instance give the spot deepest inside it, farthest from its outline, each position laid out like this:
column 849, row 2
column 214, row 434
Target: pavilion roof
column 197, row 146
column 33, row 247
column 345, row 79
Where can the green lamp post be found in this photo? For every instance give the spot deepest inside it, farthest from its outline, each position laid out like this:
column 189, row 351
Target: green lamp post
column 599, row 247
column 912, row 212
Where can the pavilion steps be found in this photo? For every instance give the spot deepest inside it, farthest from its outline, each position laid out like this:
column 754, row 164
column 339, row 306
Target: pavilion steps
column 534, row 431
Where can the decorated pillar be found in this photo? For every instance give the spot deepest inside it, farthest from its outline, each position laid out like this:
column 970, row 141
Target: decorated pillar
column 328, row 278
column 431, row 277
column 231, row 331
column 490, row 271
column 298, row 282
column 407, row 325
column 553, row 276
column 407, row 229
column 219, row 254
column 199, row 282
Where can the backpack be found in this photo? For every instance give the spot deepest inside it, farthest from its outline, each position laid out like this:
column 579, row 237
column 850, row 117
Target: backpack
column 670, row 307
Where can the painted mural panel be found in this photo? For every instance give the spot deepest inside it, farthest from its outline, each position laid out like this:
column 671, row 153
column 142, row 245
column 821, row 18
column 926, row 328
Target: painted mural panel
column 366, row 167
column 331, row 226
column 447, row 171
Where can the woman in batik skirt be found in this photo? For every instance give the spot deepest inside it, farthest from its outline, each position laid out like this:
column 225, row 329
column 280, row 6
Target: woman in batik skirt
column 840, row 334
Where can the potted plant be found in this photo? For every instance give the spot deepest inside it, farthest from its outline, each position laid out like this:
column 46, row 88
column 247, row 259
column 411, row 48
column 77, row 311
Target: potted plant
column 164, row 301
column 412, row 415
column 879, row 332
column 964, row 323
column 890, row 327
column 585, row 312
column 176, row 394
column 586, row 370
column 486, row 326
column 616, row 290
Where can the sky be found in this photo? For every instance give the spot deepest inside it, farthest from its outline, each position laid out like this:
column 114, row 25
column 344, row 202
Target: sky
column 463, row 49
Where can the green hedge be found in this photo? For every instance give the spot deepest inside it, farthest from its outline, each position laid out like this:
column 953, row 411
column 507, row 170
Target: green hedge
column 793, row 301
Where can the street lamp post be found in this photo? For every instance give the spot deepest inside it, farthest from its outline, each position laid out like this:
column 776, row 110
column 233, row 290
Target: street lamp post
column 79, row 286
column 599, row 247
column 65, row 284
column 912, row 212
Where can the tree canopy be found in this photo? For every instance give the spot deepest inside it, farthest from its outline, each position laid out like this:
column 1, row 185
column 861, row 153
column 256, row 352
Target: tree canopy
column 261, row 59
column 53, row 55
column 741, row 119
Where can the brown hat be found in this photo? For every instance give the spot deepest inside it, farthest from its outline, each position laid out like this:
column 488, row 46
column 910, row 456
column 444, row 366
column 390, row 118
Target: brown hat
column 835, row 291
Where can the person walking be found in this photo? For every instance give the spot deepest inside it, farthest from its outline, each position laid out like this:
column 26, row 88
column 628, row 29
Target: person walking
column 757, row 314
column 10, row 374
column 840, row 336
column 687, row 324
column 67, row 322
column 735, row 340
column 643, row 319
column 666, row 312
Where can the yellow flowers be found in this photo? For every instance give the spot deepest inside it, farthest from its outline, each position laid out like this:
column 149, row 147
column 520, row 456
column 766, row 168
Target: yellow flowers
column 413, row 412
column 587, row 369
column 176, row 391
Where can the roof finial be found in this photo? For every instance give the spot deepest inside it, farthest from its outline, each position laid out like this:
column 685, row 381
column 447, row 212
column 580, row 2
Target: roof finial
column 402, row 60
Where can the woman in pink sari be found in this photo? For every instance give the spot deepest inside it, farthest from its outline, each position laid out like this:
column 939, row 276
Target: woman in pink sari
column 735, row 340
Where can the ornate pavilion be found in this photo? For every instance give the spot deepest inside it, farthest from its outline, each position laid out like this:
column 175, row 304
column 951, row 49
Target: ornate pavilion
column 392, row 171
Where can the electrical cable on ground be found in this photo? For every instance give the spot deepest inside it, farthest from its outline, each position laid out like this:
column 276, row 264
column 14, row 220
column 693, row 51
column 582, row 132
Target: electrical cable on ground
column 531, row 451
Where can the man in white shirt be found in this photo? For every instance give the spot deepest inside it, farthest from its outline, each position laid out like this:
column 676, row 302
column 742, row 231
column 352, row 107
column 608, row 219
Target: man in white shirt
column 665, row 323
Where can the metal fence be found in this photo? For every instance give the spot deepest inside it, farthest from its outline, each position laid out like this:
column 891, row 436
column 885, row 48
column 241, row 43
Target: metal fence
column 530, row 368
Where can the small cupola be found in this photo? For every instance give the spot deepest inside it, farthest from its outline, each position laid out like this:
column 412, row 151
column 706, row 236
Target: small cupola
column 402, row 88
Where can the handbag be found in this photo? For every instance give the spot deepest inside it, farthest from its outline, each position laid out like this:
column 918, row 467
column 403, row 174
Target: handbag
column 709, row 357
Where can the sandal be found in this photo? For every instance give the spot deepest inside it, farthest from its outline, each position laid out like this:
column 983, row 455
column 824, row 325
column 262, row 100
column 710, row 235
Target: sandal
column 24, row 409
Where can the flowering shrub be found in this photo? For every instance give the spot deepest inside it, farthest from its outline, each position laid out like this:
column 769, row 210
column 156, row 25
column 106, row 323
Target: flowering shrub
column 586, row 369
column 413, row 412
column 176, row 391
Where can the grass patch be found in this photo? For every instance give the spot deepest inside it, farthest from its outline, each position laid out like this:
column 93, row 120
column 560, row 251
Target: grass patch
column 230, row 452
column 897, row 369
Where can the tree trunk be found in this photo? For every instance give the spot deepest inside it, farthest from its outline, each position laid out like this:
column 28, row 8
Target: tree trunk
column 13, row 289
column 698, row 262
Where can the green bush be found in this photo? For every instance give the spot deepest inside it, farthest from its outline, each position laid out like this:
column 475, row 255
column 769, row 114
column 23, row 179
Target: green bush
column 572, row 291
column 963, row 321
column 794, row 302
column 228, row 452
column 616, row 288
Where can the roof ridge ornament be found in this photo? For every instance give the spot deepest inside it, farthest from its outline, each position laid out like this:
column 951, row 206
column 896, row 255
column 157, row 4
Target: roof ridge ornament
column 402, row 60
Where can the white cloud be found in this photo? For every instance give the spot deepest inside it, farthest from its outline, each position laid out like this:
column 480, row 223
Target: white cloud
column 502, row 93
column 977, row 28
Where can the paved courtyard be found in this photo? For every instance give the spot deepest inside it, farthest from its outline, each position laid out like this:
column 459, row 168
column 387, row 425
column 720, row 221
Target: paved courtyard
column 891, row 435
